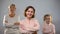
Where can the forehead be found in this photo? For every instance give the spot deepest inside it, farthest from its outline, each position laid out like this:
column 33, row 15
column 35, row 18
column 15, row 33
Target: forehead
column 30, row 9
column 12, row 6
column 48, row 16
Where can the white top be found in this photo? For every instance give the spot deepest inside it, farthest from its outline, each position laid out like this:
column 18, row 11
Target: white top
column 48, row 28
column 28, row 26
column 10, row 20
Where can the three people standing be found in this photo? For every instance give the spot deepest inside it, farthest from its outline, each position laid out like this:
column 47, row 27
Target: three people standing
column 29, row 25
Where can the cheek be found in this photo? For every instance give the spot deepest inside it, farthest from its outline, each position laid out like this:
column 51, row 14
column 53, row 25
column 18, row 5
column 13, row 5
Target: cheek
column 29, row 14
column 26, row 13
column 11, row 8
column 32, row 13
column 50, row 19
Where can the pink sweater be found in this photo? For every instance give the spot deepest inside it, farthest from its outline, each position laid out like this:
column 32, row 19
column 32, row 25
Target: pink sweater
column 28, row 26
column 49, row 28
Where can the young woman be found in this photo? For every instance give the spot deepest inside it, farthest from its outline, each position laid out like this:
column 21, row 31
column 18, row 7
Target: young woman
column 29, row 25
column 48, row 26
column 11, row 21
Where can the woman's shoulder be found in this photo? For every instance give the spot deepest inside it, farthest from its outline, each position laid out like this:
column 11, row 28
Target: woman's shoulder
column 5, row 16
column 17, row 15
column 23, row 20
column 34, row 19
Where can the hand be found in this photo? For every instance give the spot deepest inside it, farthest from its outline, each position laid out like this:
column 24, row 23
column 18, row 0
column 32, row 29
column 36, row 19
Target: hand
column 35, row 25
column 6, row 21
column 17, row 23
column 22, row 26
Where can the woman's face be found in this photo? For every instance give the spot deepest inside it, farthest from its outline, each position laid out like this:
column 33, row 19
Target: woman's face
column 12, row 9
column 29, row 13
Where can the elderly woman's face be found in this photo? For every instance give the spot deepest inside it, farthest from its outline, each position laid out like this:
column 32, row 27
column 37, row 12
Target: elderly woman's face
column 12, row 8
column 29, row 13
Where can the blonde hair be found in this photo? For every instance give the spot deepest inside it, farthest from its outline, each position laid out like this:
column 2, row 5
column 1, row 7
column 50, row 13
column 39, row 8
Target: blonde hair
column 47, row 16
column 11, row 5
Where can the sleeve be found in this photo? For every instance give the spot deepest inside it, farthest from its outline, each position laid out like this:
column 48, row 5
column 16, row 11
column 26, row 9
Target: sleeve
column 23, row 31
column 43, row 28
column 36, row 27
column 17, row 21
column 18, row 18
column 53, row 30
column 22, row 28
column 5, row 22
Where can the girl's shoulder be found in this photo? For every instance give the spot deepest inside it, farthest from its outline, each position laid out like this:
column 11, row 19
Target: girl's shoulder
column 52, row 25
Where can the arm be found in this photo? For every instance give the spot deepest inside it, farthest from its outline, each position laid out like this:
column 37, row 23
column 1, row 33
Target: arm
column 53, row 29
column 35, row 27
column 43, row 29
column 18, row 21
column 5, row 22
column 23, row 29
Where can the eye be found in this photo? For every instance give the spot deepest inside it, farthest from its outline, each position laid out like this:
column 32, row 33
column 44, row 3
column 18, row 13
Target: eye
column 28, row 11
column 48, row 18
column 32, row 11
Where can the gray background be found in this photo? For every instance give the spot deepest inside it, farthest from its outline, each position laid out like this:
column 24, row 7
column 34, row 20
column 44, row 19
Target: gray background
column 42, row 7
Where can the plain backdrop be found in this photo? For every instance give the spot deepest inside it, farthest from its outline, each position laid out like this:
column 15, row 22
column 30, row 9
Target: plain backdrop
column 42, row 7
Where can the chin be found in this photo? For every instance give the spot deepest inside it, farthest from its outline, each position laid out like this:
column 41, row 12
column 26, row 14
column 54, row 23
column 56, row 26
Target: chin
column 29, row 17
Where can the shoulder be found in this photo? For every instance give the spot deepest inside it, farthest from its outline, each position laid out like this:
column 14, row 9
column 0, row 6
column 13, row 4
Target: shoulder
column 44, row 24
column 53, row 25
column 34, row 19
column 5, row 16
column 22, row 21
column 17, row 15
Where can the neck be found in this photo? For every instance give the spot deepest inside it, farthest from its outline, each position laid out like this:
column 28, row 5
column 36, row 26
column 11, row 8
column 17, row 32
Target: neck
column 47, row 22
column 29, row 18
column 12, row 14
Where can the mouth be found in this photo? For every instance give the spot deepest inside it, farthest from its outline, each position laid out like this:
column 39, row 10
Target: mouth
column 29, row 14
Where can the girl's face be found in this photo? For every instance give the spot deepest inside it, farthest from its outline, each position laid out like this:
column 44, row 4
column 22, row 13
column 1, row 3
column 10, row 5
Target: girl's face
column 12, row 9
column 29, row 13
column 48, row 19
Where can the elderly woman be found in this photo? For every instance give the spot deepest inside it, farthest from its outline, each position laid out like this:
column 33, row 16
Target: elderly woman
column 11, row 21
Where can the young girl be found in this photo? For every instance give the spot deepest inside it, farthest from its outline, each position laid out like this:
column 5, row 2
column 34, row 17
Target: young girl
column 11, row 21
column 29, row 25
column 48, row 26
